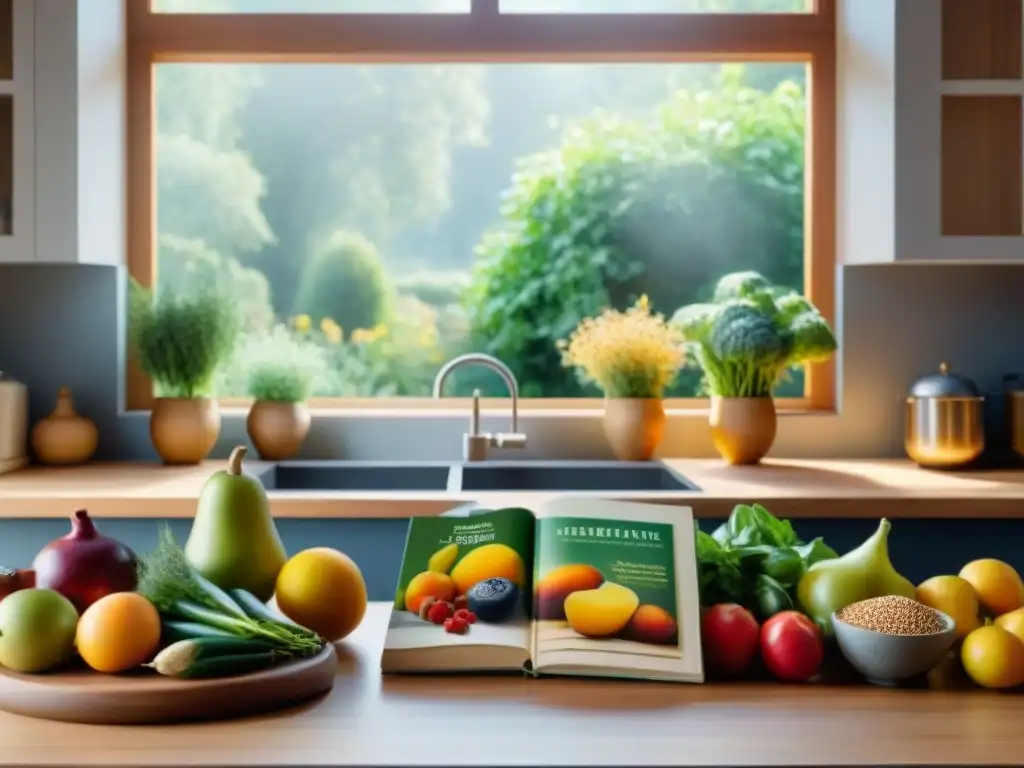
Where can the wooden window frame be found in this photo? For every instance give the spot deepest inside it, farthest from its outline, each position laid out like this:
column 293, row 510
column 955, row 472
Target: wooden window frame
column 484, row 35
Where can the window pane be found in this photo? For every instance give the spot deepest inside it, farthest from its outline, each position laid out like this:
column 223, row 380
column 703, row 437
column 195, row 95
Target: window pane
column 310, row 6
column 656, row 6
column 373, row 221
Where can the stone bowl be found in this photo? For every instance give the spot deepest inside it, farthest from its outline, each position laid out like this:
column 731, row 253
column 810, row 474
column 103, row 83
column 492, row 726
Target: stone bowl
column 886, row 659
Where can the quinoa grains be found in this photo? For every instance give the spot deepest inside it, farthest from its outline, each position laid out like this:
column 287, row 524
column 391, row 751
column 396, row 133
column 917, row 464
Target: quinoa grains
column 893, row 615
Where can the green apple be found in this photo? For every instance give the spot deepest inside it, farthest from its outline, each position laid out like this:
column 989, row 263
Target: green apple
column 37, row 630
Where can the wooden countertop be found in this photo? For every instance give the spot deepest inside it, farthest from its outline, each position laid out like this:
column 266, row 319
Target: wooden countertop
column 789, row 488
column 368, row 720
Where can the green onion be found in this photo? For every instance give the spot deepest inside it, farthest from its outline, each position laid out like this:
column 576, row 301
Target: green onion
column 213, row 657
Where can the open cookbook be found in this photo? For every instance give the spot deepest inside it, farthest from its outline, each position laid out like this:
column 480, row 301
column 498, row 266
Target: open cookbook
column 576, row 586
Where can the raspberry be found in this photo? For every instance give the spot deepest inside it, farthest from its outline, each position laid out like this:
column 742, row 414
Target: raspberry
column 471, row 617
column 456, row 625
column 460, row 602
column 425, row 607
column 439, row 612
column 466, row 615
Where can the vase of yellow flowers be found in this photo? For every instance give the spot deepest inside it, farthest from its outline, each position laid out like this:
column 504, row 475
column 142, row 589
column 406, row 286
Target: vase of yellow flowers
column 633, row 356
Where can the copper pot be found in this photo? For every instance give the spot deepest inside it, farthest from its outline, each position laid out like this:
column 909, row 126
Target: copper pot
column 945, row 421
column 1013, row 395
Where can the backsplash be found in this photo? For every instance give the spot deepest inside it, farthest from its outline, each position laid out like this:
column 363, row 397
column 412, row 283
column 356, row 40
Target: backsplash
column 59, row 325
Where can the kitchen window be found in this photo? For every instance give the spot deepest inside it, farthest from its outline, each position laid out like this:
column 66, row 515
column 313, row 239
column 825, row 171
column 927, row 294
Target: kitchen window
column 385, row 184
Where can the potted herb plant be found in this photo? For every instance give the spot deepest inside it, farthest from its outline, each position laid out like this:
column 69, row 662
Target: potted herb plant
column 279, row 420
column 746, row 341
column 180, row 342
column 633, row 356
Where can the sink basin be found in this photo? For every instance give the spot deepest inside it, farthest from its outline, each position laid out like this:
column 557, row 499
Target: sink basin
column 502, row 476
column 355, row 476
column 611, row 476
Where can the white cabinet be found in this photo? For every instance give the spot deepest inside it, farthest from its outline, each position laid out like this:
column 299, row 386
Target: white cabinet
column 17, row 132
column 929, row 108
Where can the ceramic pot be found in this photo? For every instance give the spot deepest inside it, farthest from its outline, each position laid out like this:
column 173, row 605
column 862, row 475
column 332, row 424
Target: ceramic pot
column 742, row 428
column 184, row 430
column 64, row 437
column 634, row 426
column 277, row 430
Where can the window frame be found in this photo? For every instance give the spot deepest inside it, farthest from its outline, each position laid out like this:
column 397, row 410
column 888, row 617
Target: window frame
column 484, row 35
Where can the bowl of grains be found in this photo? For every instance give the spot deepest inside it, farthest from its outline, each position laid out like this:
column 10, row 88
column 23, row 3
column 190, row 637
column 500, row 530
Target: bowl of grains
column 892, row 638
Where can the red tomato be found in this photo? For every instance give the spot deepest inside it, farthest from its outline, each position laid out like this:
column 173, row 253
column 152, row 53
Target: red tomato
column 791, row 647
column 729, row 636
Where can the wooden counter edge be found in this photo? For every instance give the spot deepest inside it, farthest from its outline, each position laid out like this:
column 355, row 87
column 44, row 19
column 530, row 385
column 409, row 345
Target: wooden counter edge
column 789, row 488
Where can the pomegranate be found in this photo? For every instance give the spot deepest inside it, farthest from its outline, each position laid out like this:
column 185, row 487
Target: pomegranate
column 85, row 565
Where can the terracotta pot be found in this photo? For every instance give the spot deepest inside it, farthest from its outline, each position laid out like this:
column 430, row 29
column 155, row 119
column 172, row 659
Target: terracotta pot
column 277, row 430
column 742, row 428
column 634, row 426
column 184, row 430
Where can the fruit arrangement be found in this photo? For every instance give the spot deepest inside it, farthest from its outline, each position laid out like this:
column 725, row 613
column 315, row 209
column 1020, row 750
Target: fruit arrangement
column 197, row 611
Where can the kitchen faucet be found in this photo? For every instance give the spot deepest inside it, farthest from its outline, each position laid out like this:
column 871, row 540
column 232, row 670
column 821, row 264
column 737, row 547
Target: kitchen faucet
column 475, row 443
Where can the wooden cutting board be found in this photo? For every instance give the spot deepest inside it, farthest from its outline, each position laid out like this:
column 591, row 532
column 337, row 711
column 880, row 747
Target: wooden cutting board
column 84, row 696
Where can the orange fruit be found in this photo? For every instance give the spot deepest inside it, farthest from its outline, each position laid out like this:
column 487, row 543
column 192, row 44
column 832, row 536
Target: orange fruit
column 993, row 657
column 118, row 632
column 323, row 590
column 1012, row 622
column 954, row 596
column 999, row 587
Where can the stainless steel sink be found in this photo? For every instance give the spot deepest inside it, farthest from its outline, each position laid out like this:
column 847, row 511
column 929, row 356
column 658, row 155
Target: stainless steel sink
column 493, row 476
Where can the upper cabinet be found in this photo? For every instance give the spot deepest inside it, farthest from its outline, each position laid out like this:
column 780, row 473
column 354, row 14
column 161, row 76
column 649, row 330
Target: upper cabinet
column 17, row 151
column 930, row 115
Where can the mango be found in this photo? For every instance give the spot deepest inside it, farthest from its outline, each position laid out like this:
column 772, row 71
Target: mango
column 654, row 625
column 443, row 560
column 551, row 591
column 428, row 584
column 491, row 561
column 601, row 612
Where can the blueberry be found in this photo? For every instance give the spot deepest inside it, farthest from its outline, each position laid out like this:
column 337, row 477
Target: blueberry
column 493, row 600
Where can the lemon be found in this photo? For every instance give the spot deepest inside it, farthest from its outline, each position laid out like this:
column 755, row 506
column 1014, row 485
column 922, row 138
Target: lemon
column 993, row 657
column 1012, row 622
column 998, row 586
column 954, row 596
column 323, row 590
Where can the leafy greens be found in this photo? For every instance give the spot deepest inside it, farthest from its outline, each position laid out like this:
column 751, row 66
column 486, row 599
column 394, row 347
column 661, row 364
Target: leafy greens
column 756, row 560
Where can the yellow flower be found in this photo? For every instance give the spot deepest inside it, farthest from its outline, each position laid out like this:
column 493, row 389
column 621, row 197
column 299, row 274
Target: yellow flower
column 379, row 331
column 628, row 354
column 331, row 331
column 362, row 336
column 302, row 323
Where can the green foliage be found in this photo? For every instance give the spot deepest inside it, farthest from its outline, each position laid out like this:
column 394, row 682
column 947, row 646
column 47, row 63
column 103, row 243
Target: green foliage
column 188, row 267
column 182, row 340
column 345, row 281
column 752, row 333
column 210, row 194
column 436, row 288
column 279, row 382
column 714, row 182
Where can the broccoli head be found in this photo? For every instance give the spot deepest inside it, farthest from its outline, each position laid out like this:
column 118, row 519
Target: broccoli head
column 790, row 305
column 813, row 340
column 741, row 285
column 696, row 321
column 742, row 334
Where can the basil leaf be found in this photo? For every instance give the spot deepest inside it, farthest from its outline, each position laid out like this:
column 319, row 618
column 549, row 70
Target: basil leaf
column 785, row 565
column 815, row 551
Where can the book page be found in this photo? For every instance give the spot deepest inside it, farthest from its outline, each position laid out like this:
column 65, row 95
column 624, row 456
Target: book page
column 445, row 557
column 615, row 588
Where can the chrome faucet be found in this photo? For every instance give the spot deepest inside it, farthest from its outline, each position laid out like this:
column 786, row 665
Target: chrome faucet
column 475, row 443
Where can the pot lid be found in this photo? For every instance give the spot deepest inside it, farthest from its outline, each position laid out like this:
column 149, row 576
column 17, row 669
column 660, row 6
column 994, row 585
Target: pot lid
column 944, row 384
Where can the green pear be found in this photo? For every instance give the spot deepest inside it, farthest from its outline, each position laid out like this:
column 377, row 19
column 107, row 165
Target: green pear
column 234, row 542
column 860, row 574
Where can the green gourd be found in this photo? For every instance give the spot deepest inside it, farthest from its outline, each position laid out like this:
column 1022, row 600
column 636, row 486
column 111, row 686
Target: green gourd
column 860, row 574
column 234, row 542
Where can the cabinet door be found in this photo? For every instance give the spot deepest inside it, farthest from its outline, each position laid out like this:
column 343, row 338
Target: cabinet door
column 959, row 129
column 17, row 129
